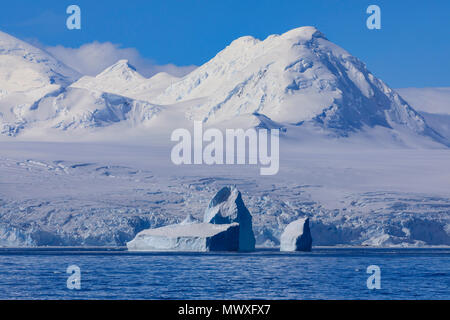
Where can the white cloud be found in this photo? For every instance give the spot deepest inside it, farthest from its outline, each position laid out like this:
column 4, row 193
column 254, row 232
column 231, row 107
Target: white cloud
column 93, row 58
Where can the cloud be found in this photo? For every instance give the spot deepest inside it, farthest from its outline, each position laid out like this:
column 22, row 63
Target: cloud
column 92, row 58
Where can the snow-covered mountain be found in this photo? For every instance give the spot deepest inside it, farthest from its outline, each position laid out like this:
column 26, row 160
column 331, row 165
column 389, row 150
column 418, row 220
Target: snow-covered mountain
column 36, row 93
column 297, row 79
column 25, row 67
column 433, row 104
column 123, row 79
column 294, row 78
column 430, row 100
column 26, row 74
column 76, row 108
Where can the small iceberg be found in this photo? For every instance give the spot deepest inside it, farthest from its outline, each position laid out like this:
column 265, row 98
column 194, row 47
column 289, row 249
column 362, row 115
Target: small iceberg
column 227, row 226
column 296, row 236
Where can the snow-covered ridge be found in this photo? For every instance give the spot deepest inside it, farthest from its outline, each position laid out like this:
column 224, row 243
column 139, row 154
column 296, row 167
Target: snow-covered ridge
column 22, row 63
column 123, row 79
column 38, row 92
column 79, row 109
column 430, row 100
column 26, row 75
column 292, row 80
column 433, row 104
column 294, row 77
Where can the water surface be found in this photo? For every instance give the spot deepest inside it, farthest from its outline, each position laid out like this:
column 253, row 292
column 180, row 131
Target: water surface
column 266, row 274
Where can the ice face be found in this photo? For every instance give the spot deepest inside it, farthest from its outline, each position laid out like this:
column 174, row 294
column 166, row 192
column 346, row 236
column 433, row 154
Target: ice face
column 199, row 237
column 227, row 207
column 296, row 236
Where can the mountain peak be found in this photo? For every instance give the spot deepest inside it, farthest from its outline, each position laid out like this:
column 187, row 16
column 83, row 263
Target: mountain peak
column 122, row 69
column 24, row 55
column 10, row 43
column 245, row 41
column 303, row 33
column 123, row 63
column 298, row 77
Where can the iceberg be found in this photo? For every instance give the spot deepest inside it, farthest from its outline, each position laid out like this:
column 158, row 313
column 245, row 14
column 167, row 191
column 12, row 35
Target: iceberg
column 228, row 207
column 296, row 236
column 227, row 226
column 198, row 237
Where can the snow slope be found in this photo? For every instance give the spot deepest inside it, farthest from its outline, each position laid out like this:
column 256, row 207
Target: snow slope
column 297, row 79
column 25, row 67
column 433, row 104
column 26, row 75
column 38, row 93
column 75, row 109
column 430, row 100
column 293, row 78
column 123, row 79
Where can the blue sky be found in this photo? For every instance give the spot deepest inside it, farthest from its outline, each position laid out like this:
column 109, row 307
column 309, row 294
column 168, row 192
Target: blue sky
column 411, row 49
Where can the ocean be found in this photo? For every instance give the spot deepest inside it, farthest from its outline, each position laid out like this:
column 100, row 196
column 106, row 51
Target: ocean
column 325, row 273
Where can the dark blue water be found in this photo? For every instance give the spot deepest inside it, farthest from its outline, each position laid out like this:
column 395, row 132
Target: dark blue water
column 322, row 274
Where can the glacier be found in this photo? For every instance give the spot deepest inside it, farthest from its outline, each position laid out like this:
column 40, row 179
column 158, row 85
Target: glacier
column 85, row 194
column 296, row 236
